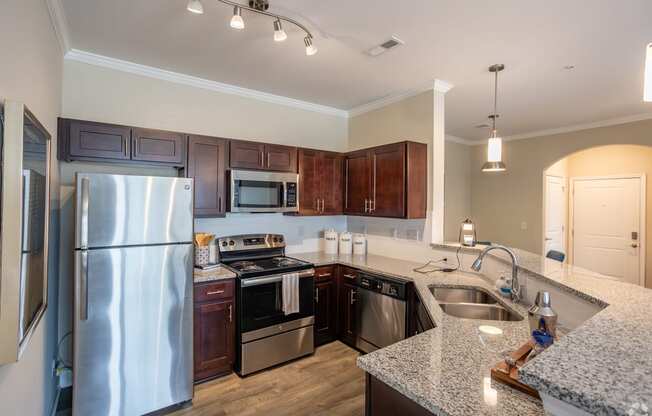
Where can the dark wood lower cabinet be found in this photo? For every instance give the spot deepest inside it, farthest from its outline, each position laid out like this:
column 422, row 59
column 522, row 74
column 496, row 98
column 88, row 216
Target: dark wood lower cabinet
column 325, row 305
column 419, row 319
column 214, row 330
column 382, row 400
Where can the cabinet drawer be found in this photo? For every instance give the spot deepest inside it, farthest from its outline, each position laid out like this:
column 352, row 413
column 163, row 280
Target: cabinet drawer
column 324, row 273
column 348, row 274
column 213, row 291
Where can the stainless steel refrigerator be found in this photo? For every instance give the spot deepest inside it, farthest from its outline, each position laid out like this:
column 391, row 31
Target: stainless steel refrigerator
column 133, row 294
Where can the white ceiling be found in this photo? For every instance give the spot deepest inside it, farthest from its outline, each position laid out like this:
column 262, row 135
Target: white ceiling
column 451, row 40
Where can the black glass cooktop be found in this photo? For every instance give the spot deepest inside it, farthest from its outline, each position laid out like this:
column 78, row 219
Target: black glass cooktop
column 269, row 265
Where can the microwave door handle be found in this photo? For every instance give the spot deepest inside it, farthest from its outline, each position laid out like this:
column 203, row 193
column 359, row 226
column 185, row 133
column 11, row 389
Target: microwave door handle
column 284, row 203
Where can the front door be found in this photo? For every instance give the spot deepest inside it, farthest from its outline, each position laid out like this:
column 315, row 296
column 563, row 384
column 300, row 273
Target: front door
column 607, row 226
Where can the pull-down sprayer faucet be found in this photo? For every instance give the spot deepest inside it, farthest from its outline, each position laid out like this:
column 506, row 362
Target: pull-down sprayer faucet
column 516, row 286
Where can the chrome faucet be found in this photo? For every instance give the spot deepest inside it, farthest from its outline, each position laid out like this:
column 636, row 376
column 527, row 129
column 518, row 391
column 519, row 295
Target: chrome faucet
column 516, row 286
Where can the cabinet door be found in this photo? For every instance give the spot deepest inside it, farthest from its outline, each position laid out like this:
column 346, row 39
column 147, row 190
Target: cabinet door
column 348, row 320
column 388, row 181
column 331, row 169
column 98, row 140
column 309, row 175
column 247, row 155
column 280, row 158
column 324, row 311
column 158, row 146
column 207, row 166
column 357, row 185
column 214, row 339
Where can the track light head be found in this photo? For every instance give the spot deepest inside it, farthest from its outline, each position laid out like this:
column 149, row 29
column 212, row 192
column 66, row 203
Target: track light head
column 195, row 6
column 279, row 33
column 236, row 20
column 310, row 48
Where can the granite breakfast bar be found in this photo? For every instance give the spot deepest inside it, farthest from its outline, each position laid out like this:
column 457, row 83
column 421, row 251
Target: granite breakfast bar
column 602, row 367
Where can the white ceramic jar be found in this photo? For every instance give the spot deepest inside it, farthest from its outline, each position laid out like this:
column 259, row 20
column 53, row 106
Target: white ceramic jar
column 346, row 243
column 359, row 244
column 330, row 241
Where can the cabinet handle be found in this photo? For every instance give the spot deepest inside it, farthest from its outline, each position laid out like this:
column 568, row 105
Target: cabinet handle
column 322, row 206
column 372, row 204
column 219, row 203
column 349, row 276
column 316, row 204
column 216, row 292
column 317, row 295
column 230, row 313
column 346, row 184
column 352, row 296
column 261, row 159
column 323, row 275
column 366, row 203
column 268, row 159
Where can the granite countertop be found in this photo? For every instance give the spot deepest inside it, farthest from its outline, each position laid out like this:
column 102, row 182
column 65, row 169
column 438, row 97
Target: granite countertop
column 219, row 273
column 603, row 367
column 447, row 369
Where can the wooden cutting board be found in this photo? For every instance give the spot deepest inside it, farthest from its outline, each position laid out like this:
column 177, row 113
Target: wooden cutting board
column 506, row 374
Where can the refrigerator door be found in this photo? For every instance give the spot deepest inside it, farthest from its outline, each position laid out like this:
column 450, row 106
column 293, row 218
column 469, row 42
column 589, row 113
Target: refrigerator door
column 133, row 329
column 121, row 210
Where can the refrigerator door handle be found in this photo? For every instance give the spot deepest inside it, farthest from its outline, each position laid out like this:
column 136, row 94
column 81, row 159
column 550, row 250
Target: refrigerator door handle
column 83, row 231
column 83, row 286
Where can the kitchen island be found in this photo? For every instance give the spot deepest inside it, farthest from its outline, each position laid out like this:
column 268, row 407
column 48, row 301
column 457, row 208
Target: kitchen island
column 602, row 367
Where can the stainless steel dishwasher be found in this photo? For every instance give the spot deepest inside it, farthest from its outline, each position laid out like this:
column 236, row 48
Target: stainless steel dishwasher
column 381, row 311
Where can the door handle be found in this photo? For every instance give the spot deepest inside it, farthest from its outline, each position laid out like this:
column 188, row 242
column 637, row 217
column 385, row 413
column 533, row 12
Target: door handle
column 230, row 313
column 634, row 245
column 83, row 286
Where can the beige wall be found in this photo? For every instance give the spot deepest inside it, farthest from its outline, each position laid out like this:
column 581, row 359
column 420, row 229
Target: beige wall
column 457, row 183
column 500, row 202
column 31, row 73
column 618, row 160
column 102, row 94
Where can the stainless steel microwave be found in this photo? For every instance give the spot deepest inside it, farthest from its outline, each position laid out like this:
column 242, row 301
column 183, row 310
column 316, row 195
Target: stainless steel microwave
column 257, row 191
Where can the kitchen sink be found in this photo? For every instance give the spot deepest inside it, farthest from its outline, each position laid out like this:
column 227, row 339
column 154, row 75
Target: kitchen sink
column 480, row 311
column 463, row 295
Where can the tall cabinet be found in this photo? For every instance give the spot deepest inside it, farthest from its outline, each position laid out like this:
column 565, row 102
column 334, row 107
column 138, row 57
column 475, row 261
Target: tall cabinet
column 387, row 181
column 207, row 162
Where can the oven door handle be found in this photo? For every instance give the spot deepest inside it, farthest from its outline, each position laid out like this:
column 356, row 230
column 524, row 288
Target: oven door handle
column 274, row 279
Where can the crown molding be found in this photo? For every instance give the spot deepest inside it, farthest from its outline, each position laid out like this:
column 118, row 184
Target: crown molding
column 575, row 127
column 389, row 99
column 162, row 74
column 60, row 24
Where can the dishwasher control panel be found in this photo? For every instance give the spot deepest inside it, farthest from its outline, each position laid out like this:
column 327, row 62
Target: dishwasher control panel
column 383, row 285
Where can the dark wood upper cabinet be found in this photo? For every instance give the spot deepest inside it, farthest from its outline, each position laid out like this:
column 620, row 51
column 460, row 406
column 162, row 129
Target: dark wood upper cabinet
column 320, row 182
column 387, row 181
column 246, row 155
column 261, row 156
column 280, row 158
column 90, row 140
column 207, row 161
column 149, row 145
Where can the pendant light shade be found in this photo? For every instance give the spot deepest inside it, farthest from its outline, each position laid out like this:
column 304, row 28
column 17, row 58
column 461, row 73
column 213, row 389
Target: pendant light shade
column 195, row 6
column 494, row 161
column 279, row 33
column 236, row 20
column 647, row 93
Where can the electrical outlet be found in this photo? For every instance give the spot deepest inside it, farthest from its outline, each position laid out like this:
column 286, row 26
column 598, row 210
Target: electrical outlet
column 523, row 225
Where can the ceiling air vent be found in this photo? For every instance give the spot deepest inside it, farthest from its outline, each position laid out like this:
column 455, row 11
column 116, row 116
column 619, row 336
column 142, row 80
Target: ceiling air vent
column 385, row 46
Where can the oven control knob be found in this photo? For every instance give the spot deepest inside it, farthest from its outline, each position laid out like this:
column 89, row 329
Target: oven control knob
column 275, row 239
column 280, row 239
column 231, row 243
column 224, row 244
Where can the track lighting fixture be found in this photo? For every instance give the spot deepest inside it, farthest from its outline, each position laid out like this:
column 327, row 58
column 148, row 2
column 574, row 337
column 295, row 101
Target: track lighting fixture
column 260, row 7
column 279, row 33
column 195, row 6
column 236, row 20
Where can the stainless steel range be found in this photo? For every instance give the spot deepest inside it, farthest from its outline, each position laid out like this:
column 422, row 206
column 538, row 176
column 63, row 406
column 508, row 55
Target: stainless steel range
column 267, row 332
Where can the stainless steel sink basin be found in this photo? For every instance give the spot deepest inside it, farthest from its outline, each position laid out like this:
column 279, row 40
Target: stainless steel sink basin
column 480, row 311
column 463, row 295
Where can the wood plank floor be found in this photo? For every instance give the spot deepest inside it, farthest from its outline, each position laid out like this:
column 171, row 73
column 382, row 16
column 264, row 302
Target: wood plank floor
column 327, row 383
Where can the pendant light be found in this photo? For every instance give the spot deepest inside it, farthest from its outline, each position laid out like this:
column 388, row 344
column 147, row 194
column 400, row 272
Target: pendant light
column 647, row 93
column 495, row 144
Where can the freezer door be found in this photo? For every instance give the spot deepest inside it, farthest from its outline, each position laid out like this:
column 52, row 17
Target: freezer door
column 133, row 330
column 121, row 210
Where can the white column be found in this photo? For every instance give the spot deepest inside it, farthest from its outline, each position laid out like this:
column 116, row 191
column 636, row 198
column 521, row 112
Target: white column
column 438, row 147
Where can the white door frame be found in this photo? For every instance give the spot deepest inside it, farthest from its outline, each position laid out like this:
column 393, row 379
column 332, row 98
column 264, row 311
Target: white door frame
column 642, row 244
column 544, row 221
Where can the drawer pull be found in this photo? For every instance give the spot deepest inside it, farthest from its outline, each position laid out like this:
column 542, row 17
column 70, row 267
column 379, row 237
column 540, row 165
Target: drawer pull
column 323, row 275
column 349, row 276
column 216, row 292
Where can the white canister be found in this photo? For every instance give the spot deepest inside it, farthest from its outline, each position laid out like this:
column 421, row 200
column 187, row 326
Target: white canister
column 359, row 244
column 346, row 243
column 330, row 241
